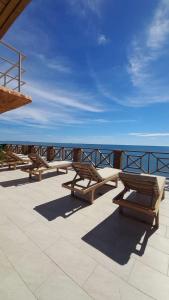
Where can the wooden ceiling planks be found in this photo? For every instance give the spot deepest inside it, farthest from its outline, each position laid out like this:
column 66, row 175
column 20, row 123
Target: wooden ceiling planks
column 10, row 99
column 9, row 11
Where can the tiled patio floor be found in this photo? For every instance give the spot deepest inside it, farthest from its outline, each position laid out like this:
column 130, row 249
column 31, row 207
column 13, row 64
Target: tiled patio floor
column 55, row 247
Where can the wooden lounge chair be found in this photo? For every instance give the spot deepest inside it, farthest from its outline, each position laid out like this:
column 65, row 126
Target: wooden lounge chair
column 95, row 179
column 39, row 166
column 12, row 159
column 148, row 191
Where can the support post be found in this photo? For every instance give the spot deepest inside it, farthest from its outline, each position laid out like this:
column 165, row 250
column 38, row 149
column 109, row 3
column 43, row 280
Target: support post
column 25, row 149
column 117, row 160
column 50, row 153
column 7, row 147
column 19, row 72
column 31, row 149
column 63, row 153
column 77, row 154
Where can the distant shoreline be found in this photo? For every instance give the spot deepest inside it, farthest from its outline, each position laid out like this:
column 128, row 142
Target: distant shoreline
column 97, row 146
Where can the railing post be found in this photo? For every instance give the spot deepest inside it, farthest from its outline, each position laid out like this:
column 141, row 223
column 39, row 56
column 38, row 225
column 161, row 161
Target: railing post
column 15, row 150
column 77, row 154
column 7, row 147
column 19, row 72
column 50, row 153
column 5, row 80
column 117, row 159
column 31, row 149
column 63, row 153
column 25, row 149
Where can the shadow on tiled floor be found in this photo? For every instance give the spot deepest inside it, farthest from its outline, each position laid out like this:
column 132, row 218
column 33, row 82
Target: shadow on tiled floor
column 68, row 205
column 27, row 180
column 119, row 236
column 62, row 207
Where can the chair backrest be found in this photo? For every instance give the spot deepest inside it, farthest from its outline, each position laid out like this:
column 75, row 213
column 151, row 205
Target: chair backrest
column 38, row 161
column 143, row 184
column 14, row 157
column 86, row 171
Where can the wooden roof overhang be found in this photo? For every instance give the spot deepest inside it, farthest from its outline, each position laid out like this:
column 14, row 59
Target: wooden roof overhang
column 11, row 99
column 9, row 11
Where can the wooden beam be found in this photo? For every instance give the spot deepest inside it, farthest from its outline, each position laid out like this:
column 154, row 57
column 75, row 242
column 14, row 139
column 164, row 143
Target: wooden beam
column 9, row 13
column 10, row 99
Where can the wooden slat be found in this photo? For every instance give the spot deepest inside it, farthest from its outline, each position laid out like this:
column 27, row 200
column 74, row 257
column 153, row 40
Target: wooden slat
column 1, row 7
column 10, row 12
column 4, row 1
column 134, row 206
column 85, row 170
column 10, row 99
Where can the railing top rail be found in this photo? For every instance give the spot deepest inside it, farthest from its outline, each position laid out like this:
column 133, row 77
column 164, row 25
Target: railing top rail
column 11, row 72
column 12, row 48
column 91, row 148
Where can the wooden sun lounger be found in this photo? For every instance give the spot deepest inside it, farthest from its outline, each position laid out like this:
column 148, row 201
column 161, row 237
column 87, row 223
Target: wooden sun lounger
column 39, row 166
column 95, row 179
column 12, row 159
column 149, row 191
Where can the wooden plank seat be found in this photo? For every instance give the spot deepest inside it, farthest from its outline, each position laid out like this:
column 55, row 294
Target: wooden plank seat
column 92, row 178
column 40, row 165
column 148, row 191
column 12, row 160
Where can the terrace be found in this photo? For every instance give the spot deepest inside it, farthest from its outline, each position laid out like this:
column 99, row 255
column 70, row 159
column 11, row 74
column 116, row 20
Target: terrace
column 53, row 246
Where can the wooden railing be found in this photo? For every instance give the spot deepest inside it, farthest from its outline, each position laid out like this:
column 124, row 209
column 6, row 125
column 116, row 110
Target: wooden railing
column 129, row 161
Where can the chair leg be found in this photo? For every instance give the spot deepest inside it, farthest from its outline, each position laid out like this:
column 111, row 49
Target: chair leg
column 120, row 210
column 157, row 220
column 92, row 196
column 40, row 176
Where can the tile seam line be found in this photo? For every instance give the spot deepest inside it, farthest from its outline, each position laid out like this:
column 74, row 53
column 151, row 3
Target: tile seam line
column 127, row 282
column 72, row 279
column 74, row 245
column 52, row 262
column 41, row 252
column 19, row 274
column 137, row 259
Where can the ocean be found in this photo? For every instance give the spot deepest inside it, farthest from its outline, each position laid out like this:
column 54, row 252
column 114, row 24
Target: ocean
column 135, row 158
column 95, row 146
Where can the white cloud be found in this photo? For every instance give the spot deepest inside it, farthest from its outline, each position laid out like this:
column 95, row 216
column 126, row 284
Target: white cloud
column 108, row 121
column 59, row 97
column 59, row 67
column 39, row 117
column 159, row 28
column 102, row 39
column 149, row 48
column 83, row 7
column 54, row 107
column 59, row 64
column 146, row 70
column 151, row 134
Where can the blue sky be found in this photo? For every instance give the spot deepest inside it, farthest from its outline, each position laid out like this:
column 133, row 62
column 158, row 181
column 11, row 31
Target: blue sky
column 97, row 72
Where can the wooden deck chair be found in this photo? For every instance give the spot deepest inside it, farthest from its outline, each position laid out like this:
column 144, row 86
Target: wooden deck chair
column 149, row 190
column 12, row 159
column 39, row 166
column 95, row 179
